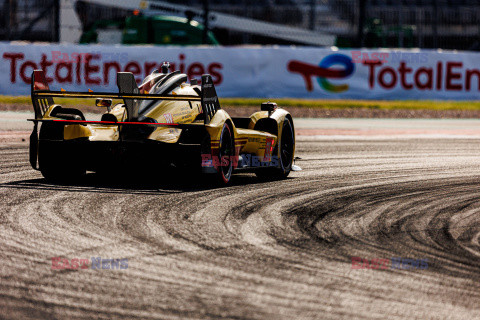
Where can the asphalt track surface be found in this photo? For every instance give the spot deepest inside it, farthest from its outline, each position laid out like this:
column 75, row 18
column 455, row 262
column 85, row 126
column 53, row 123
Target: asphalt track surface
column 253, row 250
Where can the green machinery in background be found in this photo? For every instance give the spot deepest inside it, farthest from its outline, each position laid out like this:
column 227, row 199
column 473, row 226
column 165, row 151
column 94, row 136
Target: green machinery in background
column 139, row 29
column 378, row 35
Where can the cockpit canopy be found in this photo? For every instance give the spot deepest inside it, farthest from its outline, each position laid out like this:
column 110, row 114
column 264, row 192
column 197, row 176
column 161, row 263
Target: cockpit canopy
column 159, row 83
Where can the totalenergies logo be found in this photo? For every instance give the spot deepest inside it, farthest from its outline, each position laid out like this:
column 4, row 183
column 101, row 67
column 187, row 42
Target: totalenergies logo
column 323, row 71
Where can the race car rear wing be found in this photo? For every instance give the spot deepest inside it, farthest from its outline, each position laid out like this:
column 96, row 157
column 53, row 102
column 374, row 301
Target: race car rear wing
column 42, row 97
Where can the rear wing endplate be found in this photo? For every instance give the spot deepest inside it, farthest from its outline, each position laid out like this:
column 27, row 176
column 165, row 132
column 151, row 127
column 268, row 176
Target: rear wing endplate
column 39, row 83
column 210, row 103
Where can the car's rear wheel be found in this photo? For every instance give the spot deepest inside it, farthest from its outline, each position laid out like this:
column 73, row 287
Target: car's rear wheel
column 59, row 160
column 226, row 151
column 284, row 151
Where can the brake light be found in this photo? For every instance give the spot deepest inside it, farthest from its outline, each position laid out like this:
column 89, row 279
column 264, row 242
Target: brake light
column 269, row 144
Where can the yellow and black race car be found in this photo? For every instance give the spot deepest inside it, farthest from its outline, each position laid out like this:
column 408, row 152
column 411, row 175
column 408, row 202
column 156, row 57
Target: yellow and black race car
column 163, row 122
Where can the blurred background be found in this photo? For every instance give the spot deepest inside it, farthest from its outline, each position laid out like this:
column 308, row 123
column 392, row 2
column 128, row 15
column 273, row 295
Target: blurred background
column 445, row 24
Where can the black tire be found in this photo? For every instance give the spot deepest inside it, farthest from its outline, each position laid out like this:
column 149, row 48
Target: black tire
column 58, row 160
column 226, row 149
column 284, row 151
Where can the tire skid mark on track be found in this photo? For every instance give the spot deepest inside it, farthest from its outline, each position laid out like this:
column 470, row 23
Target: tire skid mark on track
column 253, row 250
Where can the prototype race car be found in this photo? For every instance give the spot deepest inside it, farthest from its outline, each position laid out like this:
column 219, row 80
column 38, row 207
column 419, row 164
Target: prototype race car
column 163, row 122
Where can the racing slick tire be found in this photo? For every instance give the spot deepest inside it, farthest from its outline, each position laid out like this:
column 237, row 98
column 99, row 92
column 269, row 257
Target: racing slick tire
column 284, row 151
column 226, row 150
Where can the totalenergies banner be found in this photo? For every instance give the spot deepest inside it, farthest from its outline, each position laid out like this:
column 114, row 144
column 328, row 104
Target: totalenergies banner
column 264, row 72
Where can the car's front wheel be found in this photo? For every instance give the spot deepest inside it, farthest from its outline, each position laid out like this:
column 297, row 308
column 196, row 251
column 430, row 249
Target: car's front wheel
column 226, row 152
column 284, row 151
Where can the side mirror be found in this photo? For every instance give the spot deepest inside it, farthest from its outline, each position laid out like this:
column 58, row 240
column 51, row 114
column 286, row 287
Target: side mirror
column 105, row 103
column 269, row 106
